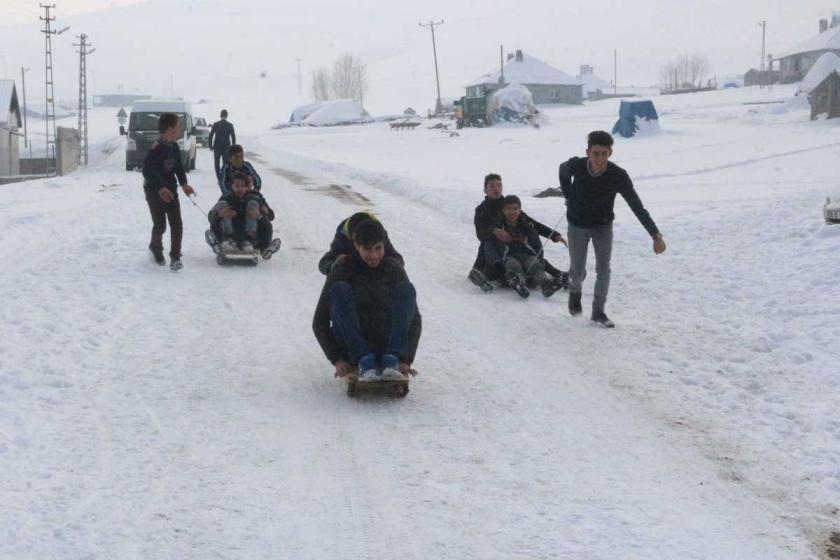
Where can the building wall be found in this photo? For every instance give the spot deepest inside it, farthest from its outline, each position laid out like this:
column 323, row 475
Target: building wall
column 67, row 150
column 543, row 94
column 793, row 68
column 9, row 152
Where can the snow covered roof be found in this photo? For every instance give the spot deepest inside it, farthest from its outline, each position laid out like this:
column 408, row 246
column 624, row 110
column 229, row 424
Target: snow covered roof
column 592, row 83
column 528, row 71
column 827, row 40
column 325, row 113
column 825, row 65
column 9, row 103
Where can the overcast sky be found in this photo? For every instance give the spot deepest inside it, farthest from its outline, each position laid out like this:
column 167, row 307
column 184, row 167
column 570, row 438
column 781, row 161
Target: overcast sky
column 230, row 40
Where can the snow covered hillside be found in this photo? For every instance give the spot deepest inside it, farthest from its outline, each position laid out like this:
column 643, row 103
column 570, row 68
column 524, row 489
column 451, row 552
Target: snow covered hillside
column 147, row 414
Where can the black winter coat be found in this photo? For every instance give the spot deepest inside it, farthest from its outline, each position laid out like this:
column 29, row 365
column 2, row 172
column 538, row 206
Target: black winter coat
column 590, row 200
column 372, row 289
column 163, row 167
column 222, row 136
column 488, row 214
column 342, row 245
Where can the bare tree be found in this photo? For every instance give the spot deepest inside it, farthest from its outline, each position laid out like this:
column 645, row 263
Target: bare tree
column 349, row 78
column 684, row 71
column 321, row 84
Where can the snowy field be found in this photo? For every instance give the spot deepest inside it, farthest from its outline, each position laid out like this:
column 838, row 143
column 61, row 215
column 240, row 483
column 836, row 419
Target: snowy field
column 146, row 414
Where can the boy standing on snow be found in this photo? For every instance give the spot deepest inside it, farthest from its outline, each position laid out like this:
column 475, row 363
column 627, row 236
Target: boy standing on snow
column 367, row 313
column 590, row 185
column 163, row 170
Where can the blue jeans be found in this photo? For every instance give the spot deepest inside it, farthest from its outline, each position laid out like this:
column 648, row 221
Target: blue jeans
column 348, row 331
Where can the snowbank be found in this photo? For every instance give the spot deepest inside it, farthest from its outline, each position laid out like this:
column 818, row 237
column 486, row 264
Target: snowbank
column 825, row 65
column 330, row 113
column 513, row 103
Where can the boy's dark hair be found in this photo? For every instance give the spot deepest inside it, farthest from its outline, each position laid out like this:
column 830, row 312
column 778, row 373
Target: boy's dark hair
column 235, row 149
column 511, row 199
column 491, row 177
column 369, row 233
column 353, row 222
column 599, row 138
column 223, row 114
column 238, row 175
column 167, row 121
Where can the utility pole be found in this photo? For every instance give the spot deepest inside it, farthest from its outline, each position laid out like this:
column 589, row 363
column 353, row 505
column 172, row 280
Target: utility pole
column 299, row 78
column 23, row 72
column 763, row 25
column 49, row 113
column 615, row 71
column 431, row 25
column 83, row 112
column 171, row 86
column 501, row 64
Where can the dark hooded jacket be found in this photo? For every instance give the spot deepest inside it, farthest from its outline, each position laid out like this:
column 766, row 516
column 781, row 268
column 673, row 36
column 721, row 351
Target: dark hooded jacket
column 372, row 290
column 343, row 245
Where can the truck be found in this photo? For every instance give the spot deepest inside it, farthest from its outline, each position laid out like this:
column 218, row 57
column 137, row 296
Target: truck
column 143, row 131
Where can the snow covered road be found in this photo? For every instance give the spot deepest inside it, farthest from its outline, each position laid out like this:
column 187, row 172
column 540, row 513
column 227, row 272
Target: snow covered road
column 146, row 414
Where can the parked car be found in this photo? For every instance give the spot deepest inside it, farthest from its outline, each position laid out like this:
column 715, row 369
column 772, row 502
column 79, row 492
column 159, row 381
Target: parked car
column 202, row 129
column 143, row 131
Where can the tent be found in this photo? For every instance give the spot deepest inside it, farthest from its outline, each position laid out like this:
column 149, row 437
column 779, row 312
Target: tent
column 825, row 65
column 635, row 116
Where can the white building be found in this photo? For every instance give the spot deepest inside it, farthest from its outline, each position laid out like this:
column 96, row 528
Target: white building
column 10, row 123
column 795, row 62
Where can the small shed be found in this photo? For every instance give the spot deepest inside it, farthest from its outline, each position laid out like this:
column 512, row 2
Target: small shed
column 10, row 123
column 825, row 98
column 635, row 116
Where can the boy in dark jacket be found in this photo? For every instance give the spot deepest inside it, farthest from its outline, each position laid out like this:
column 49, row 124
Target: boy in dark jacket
column 522, row 256
column 237, row 164
column 487, row 215
column 367, row 313
column 163, row 170
column 242, row 219
column 342, row 244
column 590, row 186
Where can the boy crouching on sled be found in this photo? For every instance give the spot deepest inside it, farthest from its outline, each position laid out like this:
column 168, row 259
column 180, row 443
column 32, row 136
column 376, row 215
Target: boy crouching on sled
column 522, row 256
column 241, row 220
column 367, row 314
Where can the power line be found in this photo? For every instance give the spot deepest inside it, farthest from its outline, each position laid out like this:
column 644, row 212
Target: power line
column 431, row 25
column 83, row 112
column 48, row 78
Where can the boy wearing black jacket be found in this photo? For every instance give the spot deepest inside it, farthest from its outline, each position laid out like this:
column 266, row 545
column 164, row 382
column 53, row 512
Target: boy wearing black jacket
column 341, row 246
column 590, row 186
column 242, row 219
column 487, row 214
column 367, row 313
column 163, row 170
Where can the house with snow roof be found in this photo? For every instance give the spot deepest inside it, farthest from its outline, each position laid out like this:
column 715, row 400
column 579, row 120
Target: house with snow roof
column 795, row 62
column 593, row 86
column 546, row 83
column 10, row 123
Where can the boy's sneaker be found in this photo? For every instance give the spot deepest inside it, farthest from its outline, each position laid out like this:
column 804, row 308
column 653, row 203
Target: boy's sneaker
column 575, row 307
column 228, row 246
column 561, row 281
column 272, row 248
column 391, row 368
column 601, row 319
column 210, row 237
column 518, row 285
column 247, row 247
column 477, row 277
column 548, row 288
column 367, row 369
column 157, row 254
column 176, row 265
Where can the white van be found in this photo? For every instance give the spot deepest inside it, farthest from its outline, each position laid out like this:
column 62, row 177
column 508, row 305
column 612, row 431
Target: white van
column 143, row 131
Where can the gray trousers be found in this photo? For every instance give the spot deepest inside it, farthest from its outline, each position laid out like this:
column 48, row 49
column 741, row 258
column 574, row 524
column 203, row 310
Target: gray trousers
column 252, row 214
column 578, row 239
column 525, row 266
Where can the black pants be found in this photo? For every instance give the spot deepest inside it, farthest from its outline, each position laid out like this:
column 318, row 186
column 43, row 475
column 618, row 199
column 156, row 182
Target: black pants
column 161, row 211
column 220, row 159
